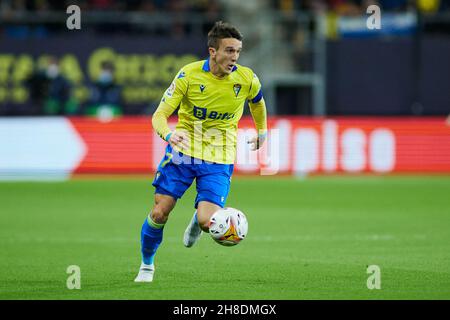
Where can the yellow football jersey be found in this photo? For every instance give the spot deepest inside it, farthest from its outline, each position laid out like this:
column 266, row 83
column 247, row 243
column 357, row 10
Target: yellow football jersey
column 210, row 108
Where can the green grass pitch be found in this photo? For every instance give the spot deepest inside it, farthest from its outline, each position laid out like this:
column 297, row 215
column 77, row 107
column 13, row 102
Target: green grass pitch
column 308, row 239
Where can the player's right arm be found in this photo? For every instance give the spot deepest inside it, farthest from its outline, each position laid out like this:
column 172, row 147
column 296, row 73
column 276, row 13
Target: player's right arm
column 161, row 126
column 170, row 101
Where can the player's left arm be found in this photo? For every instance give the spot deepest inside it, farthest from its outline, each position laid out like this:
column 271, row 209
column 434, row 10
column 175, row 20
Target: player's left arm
column 259, row 115
column 258, row 110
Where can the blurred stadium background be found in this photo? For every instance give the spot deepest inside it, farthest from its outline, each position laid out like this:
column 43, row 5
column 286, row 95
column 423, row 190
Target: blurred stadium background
column 316, row 58
column 365, row 112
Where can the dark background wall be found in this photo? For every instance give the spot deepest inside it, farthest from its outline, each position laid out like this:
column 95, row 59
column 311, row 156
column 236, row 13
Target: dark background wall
column 385, row 77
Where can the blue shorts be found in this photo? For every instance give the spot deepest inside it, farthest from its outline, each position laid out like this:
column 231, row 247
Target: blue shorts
column 177, row 171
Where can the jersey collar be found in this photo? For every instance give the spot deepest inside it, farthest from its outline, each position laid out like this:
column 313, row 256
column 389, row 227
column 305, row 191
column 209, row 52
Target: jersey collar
column 206, row 66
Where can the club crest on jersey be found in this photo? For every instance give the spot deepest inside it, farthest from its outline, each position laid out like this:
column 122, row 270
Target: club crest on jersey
column 202, row 87
column 237, row 88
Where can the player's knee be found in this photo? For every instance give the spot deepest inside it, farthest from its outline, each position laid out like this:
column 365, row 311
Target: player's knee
column 161, row 209
column 159, row 215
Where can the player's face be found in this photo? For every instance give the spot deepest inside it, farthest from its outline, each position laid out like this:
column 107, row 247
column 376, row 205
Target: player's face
column 226, row 56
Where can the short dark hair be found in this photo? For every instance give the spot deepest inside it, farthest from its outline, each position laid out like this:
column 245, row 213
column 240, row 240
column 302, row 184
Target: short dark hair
column 222, row 30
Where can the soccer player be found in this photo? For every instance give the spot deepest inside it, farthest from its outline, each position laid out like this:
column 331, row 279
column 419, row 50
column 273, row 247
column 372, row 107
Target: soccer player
column 211, row 95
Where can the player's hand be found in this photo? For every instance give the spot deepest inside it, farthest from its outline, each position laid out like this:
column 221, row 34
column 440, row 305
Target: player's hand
column 179, row 139
column 257, row 142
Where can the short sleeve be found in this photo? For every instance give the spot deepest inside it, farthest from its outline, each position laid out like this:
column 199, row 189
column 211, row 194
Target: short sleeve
column 177, row 89
column 255, row 94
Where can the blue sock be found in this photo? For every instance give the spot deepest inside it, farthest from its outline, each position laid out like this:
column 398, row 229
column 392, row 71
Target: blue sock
column 151, row 238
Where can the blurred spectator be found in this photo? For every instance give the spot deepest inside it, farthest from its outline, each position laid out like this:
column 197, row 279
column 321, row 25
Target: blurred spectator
column 50, row 91
column 105, row 98
column 429, row 6
column 15, row 12
column 104, row 4
column 391, row 5
column 356, row 7
column 38, row 88
column 347, row 8
column 214, row 11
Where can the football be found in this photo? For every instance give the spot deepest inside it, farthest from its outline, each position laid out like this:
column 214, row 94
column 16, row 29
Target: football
column 228, row 226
